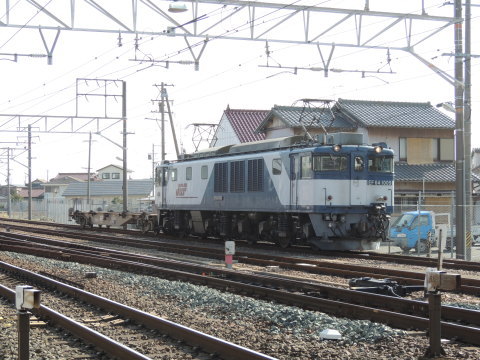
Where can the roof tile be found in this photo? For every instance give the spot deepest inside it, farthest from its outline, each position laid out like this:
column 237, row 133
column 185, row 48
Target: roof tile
column 244, row 123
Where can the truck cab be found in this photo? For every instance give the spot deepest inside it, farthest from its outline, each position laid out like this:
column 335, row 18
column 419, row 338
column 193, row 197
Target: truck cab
column 412, row 226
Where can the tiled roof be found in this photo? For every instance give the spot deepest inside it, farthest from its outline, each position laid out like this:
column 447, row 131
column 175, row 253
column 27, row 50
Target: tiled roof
column 109, row 188
column 294, row 116
column 244, row 123
column 437, row 172
column 395, row 114
column 73, row 176
column 36, row 193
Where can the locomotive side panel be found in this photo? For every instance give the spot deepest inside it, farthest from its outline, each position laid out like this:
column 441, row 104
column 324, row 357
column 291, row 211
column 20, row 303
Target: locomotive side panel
column 330, row 196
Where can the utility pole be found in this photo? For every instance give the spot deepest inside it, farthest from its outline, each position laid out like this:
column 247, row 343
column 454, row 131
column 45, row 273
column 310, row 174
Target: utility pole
column 89, row 170
column 124, row 119
column 161, row 110
column 9, row 197
column 162, row 114
column 468, row 132
column 460, row 222
column 29, row 172
column 171, row 125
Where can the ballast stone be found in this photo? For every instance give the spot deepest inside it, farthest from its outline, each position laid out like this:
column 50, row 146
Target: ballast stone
column 330, row 334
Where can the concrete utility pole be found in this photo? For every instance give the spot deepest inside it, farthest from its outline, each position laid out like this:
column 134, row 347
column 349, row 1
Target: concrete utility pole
column 468, row 133
column 29, row 172
column 88, row 170
column 9, row 196
column 162, row 115
column 124, row 119
column 460, row 221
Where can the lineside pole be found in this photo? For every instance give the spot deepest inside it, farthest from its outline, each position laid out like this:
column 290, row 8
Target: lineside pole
column 124, row 119
column 29, row 172
column 468, row 132
column 459, row 135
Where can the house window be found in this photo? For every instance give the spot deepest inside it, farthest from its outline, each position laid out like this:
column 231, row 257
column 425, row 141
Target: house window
column 402, row 149
column 306, row 167
column 188, row 174
column 204, row 172
column 106, row 176
column 116, row 176
column 277, row 166
column 446, row 149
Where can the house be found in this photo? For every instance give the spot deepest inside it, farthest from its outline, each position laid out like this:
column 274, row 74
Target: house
column 37, row 194
column 105, row 193
column 421, row 136
column 111, row 172
column 238, row 126
column 56, row 186
column 284, row 121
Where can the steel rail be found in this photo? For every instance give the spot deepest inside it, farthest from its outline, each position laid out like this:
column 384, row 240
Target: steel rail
column 370, row 312
column 401, row 259
column 225, row 349
column 104, row 343
column 468, row 285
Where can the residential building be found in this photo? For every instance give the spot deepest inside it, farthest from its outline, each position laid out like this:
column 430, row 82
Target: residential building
column 55, row 187
column 111, row 172
column 421, row 136
column 238, row 126
column 108, row 195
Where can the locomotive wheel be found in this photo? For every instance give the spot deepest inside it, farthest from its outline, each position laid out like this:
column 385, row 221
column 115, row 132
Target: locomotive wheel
column 252, row 239
column 284, row 242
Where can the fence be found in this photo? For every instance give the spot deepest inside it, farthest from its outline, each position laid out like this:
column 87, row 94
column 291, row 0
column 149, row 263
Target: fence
column 56, row 210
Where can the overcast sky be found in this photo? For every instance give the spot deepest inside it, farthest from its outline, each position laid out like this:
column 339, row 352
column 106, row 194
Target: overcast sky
column 231, row 73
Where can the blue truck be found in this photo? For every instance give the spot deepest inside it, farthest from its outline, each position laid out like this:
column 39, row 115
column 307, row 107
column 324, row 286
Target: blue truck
column 405, row 233
column 408, row 228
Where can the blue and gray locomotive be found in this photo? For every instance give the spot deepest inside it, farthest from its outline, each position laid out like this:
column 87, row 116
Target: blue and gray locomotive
column 334, row 194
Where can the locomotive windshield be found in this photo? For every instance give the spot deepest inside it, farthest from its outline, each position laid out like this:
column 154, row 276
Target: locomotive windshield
column 380, row 164
column 329, row 162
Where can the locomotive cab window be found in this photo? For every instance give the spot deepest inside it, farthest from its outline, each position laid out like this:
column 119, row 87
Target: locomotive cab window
column 329, row 162
column 306, row 167
column 204, row 172
column 359, row 165
column 188, row 173
column 380, row 164
column 158, row 176
column 277, row 166
column 173, row 174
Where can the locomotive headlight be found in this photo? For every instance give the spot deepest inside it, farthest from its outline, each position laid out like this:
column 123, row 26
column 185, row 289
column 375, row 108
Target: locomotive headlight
column 342, row 218
column 337, row 148
column 329, row 197
column 378, row 149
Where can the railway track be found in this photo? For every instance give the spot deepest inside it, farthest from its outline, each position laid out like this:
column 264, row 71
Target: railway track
column 115, row 321
column 448, row 263
column 469, row 285
column 397, row 312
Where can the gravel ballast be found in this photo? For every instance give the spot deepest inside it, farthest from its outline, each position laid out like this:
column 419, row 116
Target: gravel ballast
column 281, row 331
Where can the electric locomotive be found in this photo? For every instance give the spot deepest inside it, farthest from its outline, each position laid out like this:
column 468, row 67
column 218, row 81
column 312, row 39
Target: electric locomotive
column 334, row 192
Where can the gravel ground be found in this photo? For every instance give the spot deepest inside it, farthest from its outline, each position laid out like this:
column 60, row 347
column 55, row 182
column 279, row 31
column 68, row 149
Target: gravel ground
column 279, row 331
